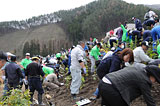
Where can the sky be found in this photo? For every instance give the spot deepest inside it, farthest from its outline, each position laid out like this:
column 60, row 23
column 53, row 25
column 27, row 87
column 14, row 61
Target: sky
column 24, row 9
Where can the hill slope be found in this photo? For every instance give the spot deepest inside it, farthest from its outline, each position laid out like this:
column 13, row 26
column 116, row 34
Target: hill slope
column 156, row 6
column 14, row 42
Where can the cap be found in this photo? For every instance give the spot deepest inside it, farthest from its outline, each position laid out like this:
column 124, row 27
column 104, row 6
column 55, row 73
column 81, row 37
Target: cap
column 111, row 32
column 9, row 54
column 154, row 71
column 133, row 18
column 145, row 43
column 3, row 55
column 35, row 58
column 27, row 54
column 58, row 55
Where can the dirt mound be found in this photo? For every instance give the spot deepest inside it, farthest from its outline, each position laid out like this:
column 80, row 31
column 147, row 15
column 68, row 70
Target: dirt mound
column 63, row 96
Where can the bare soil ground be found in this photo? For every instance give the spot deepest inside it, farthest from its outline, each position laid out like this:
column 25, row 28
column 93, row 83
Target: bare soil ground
column 63, row 96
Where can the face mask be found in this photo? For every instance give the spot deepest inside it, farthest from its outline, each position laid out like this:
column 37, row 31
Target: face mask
column 122, row 46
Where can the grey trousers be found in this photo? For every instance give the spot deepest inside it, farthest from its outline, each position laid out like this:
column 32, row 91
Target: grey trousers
column 92, row 63
column 52, row 81
column 76, row 80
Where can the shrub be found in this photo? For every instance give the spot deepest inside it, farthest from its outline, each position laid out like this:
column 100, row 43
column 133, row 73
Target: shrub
column 16, row 98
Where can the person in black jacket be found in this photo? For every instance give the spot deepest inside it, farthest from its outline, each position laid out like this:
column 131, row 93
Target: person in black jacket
column 122, row 87
column 113, row 63
column 136, row 34
column 155, row 62
column 33, row 72
column 13, row 73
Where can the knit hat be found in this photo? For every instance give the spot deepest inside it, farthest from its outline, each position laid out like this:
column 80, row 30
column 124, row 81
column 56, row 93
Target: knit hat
column 154, row 71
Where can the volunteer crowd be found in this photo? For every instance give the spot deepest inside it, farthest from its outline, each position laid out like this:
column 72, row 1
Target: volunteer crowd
column 123, row 73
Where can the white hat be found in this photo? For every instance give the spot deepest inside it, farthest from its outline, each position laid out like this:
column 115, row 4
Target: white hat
column 9, row 54
column 27, row 54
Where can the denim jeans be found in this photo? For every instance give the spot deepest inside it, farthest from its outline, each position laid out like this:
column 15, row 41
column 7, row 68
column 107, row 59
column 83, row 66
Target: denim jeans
column 155, row 38
column 96, row 93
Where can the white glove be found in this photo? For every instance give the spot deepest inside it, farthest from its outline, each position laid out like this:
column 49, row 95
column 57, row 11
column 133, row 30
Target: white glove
column 46, row 79
column 61, row 84
column 84, row 70
column 25, row 81
column 3, row 77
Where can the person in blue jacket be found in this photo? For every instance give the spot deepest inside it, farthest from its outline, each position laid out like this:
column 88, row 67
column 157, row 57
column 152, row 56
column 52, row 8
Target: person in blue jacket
column 155, row 35
column 138, row 23
column 146, row 35
column 115, row 62
column 120, row 47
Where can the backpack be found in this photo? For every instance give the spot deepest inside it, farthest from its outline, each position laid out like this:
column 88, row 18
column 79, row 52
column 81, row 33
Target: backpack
column 146, row 16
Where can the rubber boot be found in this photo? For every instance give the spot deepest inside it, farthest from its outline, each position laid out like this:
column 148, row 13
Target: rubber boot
column 40, row 100
column 31, row 99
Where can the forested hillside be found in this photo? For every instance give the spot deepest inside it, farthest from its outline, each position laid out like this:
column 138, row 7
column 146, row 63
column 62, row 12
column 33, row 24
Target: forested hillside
column 98, row 17
column 91, row 20
column 44, row 40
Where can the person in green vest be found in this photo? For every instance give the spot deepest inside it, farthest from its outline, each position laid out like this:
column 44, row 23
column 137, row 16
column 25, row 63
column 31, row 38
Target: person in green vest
column 126, row 37
column 24, row 63
column 158, row 51
column 51, row 80
column 47, row 70
column 94, row 56
column 95, row 41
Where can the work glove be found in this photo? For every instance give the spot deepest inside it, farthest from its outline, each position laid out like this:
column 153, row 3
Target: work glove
column 84, row 70
column 3, row 77
column 46, row 79
column 25, row 81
